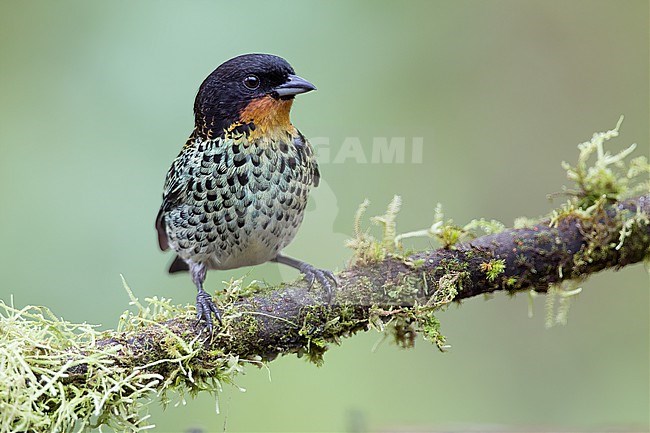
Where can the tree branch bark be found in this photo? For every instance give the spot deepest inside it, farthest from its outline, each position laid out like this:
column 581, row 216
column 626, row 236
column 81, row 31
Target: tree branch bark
column 294, row 319
column 60, row 375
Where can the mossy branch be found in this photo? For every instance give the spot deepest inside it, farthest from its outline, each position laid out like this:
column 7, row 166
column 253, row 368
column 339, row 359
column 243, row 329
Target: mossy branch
column 293, row 318
column 57, row 376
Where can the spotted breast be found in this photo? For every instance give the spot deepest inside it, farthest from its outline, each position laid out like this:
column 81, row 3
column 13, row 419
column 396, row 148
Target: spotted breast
column 243, row 200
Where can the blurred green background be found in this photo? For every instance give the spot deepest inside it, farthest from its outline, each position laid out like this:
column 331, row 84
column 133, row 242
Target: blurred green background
column 97, row 100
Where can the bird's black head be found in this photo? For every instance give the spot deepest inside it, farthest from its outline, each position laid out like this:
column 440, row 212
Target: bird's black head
column 252, row 92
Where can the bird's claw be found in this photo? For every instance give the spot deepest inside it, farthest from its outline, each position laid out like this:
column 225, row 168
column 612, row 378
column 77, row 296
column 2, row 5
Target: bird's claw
column 326, row 278
column 205, row 308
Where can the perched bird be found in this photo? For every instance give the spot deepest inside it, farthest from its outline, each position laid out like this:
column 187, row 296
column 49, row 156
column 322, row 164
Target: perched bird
column 236, row 194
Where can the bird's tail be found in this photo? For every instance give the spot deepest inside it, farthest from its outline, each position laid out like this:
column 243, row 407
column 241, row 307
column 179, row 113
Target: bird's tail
column 178, row 265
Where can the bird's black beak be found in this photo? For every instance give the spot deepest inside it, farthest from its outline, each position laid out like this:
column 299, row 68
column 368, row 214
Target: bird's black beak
column 293, row 86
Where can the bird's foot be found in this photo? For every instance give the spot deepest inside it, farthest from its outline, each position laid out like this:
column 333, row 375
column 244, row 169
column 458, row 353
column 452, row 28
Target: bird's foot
column 326, row 278
column 205, row 308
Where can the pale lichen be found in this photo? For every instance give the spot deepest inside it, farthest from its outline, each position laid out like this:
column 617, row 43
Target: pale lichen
column 54, row 377
column 563, row 293
column 601, row 179
column 405, row 322
column 388, row 223
column 449, row 234
column 608, row 177
column 37, row 353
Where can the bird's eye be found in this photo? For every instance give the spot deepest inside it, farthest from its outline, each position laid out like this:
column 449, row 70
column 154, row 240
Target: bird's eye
column 252, row 82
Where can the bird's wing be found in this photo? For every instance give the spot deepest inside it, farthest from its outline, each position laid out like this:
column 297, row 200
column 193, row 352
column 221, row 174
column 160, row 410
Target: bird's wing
column 315, row 173
column 305, row 153
column 174, row 192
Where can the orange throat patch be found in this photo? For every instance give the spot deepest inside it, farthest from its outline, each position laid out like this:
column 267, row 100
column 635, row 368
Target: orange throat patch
column 270, row 116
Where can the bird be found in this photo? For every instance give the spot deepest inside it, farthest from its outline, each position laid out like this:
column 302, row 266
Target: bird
column 236, row 193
